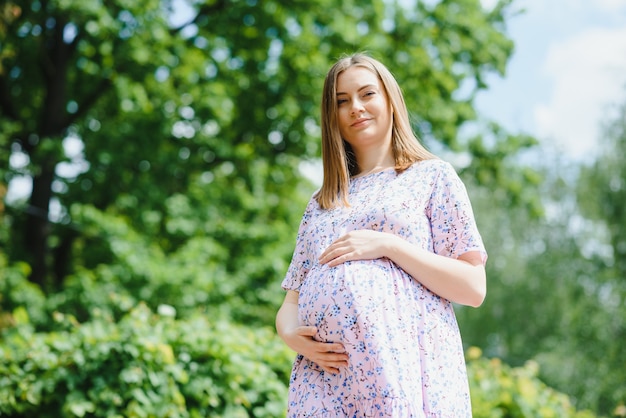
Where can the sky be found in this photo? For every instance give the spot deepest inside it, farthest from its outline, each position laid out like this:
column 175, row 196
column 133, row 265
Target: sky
column 566, row 76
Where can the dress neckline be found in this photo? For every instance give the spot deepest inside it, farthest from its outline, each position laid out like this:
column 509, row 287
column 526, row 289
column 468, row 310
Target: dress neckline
column 372, row 173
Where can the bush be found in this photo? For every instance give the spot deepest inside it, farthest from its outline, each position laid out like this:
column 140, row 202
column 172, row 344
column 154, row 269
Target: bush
column 200, row 272
column 17, row 291
column 499, row 390
column 152, row 365
column 138, row 363
column 147, row 365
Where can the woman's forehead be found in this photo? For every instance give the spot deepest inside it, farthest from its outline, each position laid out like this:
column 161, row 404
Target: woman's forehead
column 355, row 78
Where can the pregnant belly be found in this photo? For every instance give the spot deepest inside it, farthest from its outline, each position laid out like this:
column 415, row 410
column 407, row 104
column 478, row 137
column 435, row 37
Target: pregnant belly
column 352, row 300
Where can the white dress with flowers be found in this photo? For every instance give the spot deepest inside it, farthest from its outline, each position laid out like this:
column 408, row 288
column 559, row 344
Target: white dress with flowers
column 405, row 352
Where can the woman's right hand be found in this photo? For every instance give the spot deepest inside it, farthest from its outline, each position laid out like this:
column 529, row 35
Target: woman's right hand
column 301, row 339
column 329, row 356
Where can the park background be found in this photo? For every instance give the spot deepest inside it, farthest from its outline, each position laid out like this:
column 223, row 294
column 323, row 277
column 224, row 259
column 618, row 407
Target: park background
column 157, row 156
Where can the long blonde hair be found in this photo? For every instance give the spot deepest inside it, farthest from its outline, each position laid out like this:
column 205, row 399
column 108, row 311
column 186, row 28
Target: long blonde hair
column 338, row 159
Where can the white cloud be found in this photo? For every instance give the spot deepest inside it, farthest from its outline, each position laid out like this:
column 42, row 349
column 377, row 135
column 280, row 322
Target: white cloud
column 611, row 6
column 588, row 72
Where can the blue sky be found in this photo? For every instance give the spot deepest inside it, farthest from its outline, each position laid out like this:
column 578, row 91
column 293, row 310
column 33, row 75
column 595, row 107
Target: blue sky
column 568, row 69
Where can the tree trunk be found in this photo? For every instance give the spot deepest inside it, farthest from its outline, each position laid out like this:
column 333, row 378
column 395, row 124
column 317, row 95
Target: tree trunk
column 38, row 225
column 54, row 59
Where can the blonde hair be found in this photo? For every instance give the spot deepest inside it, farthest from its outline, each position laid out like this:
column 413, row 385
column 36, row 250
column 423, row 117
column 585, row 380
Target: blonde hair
column 338, row 159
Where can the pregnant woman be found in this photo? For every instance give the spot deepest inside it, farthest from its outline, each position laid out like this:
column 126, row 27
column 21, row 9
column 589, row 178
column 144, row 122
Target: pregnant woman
column 383, row 249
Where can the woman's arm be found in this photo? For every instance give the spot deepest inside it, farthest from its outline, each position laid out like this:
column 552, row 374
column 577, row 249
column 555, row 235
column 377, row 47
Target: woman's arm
column 461, row 280
column 329, row 356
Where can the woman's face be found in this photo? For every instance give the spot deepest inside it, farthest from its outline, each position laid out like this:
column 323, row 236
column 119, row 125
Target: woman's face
column 364, row 114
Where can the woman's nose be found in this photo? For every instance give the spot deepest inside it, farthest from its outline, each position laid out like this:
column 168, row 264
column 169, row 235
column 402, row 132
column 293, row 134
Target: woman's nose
column 357, row 107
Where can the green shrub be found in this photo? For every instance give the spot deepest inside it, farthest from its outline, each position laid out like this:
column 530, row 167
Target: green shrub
column 153, row 365
column 501, row 391
column 147, row 365
column 200, row 272
column 16, row 291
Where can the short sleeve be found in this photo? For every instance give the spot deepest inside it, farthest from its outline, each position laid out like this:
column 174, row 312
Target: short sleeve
column 301, row 260
column 453, row 227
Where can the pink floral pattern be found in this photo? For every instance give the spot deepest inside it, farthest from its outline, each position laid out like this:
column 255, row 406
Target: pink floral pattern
column 403, row 341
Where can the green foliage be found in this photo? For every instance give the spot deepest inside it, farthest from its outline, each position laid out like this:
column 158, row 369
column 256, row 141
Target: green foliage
column 601, row 197
column 153, row 365
column 601, row 192
column 194, row 277
column 499, row 390
column 551, row 296
column 188, row 194
column 145, row 365
column 225, row 103
column 495, row 167
column 17, row 292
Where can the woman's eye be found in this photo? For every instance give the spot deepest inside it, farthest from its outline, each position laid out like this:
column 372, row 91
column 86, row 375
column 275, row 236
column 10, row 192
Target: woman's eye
column 341, row 101
column 369, row 93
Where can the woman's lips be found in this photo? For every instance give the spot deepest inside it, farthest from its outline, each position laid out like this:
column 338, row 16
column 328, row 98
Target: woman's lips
column 359, row 122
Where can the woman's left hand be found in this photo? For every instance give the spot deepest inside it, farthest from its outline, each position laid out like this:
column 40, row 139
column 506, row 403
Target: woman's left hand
column 363, row 244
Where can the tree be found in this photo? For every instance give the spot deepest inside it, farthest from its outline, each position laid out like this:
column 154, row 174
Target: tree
column 140, row 109
column 555, row 289
column 601, row 194
column 165, row 156
column 602, row 191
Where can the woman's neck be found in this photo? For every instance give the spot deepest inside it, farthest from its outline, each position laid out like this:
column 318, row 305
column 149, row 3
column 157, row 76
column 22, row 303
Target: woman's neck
column 375, row 164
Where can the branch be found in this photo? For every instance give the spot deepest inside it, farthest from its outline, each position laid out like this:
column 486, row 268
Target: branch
column 91, row 98
column 6, row 104
column 55, row 62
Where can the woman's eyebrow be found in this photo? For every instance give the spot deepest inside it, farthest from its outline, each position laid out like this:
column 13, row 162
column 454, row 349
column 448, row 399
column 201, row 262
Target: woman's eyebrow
column 367, row 86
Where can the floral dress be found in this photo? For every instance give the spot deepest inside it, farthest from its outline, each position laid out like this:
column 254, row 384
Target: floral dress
column 405, row 352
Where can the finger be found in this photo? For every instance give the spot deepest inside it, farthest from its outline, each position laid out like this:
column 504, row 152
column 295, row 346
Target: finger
column 333, row 246
column 339, row 259
column 336, row 361
column 333, row 366
column 325, row 255
column 330, row 348
column 334, row 358
column 334, row 348
column 332, row 254
column 306, row 331
column 330, row 370
column 335, row 261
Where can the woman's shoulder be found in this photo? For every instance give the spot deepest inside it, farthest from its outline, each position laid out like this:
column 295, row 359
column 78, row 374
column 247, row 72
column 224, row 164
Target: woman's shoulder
column 313, row 200
column 431, row 172
column 432, row 165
